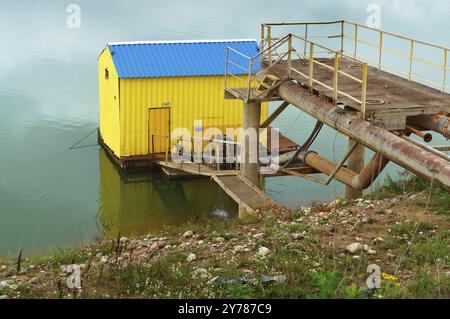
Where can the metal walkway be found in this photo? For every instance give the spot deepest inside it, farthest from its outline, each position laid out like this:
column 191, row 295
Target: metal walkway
column 187, row 168
column 332, row 76
column 390, row 99
column 243, row 192
column 356, row 80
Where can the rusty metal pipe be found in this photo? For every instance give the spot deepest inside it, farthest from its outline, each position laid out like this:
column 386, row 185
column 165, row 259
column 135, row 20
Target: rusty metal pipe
column 346, row 176
column 428, row 148
column 370, row 172
column 427, row 137
column 327, row 167
column 438, row 123
column 399, row 151
column 442, row 148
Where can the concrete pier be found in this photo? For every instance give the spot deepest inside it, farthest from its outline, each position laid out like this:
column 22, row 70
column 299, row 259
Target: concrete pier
column 250, row 143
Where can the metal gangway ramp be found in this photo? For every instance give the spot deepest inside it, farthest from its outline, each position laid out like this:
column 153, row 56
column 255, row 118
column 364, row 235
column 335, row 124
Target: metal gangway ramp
column 249, row 197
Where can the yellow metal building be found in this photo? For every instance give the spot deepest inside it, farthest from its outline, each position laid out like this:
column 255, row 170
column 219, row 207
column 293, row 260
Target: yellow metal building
column 151, row 88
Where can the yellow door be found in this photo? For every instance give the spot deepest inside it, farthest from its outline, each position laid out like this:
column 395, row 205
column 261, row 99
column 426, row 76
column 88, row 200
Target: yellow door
column 158, row 130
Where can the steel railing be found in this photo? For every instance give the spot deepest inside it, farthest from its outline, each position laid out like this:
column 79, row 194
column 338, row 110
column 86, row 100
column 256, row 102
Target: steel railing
column 349, row 31
column 250, row 65
column 335, row 69
column 248, row 76
column 170, row 144
column 285, row 50
column 382, row 48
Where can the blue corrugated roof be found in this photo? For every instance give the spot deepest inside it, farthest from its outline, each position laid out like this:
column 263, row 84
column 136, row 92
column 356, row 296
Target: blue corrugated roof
column 172, row 59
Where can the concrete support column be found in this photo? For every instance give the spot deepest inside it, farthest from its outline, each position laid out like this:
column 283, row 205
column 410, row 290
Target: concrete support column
column 355, row 163
column 250, row 143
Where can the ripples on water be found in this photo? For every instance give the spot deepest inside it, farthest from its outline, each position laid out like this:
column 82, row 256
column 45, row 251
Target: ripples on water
column 51, row 197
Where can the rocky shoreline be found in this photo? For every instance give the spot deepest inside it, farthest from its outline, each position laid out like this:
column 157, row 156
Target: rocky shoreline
column 322, row 251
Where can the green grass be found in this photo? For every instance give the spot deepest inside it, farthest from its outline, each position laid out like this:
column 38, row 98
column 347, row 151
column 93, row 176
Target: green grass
column 312, row 269
column 434, row 251
column 411, row 228
column 436, row 199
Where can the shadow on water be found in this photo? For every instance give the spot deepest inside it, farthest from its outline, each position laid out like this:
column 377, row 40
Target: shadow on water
column 145, row 202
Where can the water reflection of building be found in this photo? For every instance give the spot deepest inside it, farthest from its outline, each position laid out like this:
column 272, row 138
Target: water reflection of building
column 139, row 203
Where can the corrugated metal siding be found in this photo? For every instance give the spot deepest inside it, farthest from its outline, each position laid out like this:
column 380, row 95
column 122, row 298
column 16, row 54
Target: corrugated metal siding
column 190, row 98
column 109, row 102
column 181, row 59
column 159, row 127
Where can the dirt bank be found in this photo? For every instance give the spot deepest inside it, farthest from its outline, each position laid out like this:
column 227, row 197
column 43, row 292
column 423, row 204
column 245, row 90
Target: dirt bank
column 318, row 252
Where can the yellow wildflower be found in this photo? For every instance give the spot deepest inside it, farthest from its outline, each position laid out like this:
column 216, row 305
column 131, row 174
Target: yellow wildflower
column 389, row 277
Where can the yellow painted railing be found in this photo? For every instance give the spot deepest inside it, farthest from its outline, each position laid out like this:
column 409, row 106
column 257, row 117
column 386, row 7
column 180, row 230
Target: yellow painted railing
column 352, row 33
column 249, row 66
column 382, row 49
column 292, row 47
column 314, row 55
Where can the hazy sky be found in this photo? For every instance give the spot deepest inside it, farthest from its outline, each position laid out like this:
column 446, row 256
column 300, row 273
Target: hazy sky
column 36, row 42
